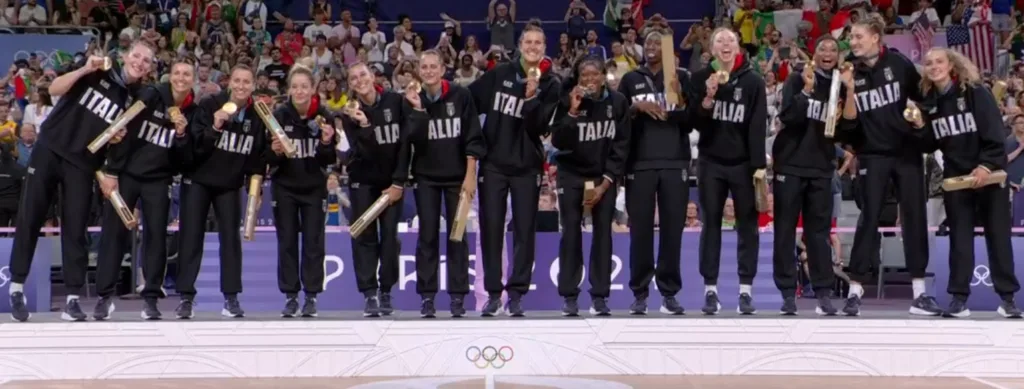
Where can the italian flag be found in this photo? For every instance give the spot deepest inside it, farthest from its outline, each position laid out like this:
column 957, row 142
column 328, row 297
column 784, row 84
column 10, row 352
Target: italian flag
column 838, row 23
column 787, row 21
column 613, row 8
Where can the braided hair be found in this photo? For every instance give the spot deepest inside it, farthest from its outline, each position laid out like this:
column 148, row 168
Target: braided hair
column 577, row 70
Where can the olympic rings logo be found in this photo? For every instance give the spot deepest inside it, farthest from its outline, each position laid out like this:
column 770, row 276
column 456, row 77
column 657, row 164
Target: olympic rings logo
column 982, row 276
column 5, row 276
column 489, row 356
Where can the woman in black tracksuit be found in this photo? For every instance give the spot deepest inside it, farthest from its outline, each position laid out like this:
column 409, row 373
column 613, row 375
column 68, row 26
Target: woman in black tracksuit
column 299, row 189
column 376, row 166
column 155, row 147
column 228, row 147
column 447, row 148
column 887, row 151
column 803, row 166
column 962, row 119
column 591, row 133
column 732, row 121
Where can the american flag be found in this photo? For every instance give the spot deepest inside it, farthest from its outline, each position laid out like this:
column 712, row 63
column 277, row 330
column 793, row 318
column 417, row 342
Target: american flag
column 924, row 33
column 975, row 42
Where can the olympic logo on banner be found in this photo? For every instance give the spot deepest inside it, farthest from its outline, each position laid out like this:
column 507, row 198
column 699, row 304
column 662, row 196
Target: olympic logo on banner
column 982, row 276
column 5, row 276
column 489, row 356
column 46, row 59
column 328, row 277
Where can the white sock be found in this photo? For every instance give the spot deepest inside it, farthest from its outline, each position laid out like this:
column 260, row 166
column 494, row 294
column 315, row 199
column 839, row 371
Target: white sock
column 16, row 287
column 72, row 297
column 745, row 289
column 711, row 288
column 856, row 290
column 918, row 285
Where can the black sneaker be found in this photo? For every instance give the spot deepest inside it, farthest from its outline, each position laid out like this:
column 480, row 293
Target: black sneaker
column 491, row 307
column 73, row 312
column 570, row 307
column 788, row 306
column 457, row 306
column 291, row 307
column 711, row 303
column 825, row 307
column 639, row 306
column 957, row 308
column 1008, row 309
column 309, row 307
column 746, row 305
column 670, row 306
column 599, row 307
column 372, row 307
column 232, row 308
column 427, row 309
column 385, row 304
column 515, row 306
column 19, row 308
column 104, row 308
column 852, row 306
column 150, row 310
column 185, row 307
column 925, row 305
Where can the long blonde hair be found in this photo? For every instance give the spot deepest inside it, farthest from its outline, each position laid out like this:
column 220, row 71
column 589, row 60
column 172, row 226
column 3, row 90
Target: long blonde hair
column 963, row 70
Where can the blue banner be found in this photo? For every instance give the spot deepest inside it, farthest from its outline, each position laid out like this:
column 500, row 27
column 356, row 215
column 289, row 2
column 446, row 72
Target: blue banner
column 37, row 288
column 46, row 47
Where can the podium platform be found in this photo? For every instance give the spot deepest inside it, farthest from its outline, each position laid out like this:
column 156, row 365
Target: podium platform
column 405, row 347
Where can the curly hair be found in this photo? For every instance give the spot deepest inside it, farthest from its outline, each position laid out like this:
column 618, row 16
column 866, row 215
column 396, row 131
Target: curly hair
column 963, row 70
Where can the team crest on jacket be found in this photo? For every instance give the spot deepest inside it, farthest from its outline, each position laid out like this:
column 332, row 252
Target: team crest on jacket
column 450, row 108
column 888, row 74
column 736, row 93
column 387, row 115
column 961, row 104
column 245, row 126
column 610, row 111
column 288, row 128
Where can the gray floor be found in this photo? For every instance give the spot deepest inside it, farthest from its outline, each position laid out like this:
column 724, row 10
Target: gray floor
column 128, row 310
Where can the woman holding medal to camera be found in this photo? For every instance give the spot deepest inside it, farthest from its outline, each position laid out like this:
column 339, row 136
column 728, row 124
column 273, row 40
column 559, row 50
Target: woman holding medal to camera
column 447, row 146
column 591, row 132
column 963, row 121
column 145, row 163
column 230, row 141
column 373, row 123
column 299, row 188
column 91, row 98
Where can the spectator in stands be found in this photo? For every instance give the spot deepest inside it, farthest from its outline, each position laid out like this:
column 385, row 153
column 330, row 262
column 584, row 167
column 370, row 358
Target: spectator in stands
column 594, row 48
column 403, row 41
column 418, row 45
column 257, row 36
column 692, row 215
column 216, row 29
column 744, row 19
column 319, row 27
column 9, row 16
column 1014, row 147
column 472, row 47
column 8, row 127
column 728, row 215
column 374, row 41
column 501, row 21
column 576, row 17
column 68, row 16
column 252, row 11
column 467, row 71
column 32, row 14
column 11, row 177
column 452, row 30
column 26, row 143
column 277, row 70
column 38, row 108
column 634, row 49
column 696, row 42
column 290, row 43
column 624, row 63
column 346, row 35
column 322, row 56
column 205, row 86
column 925, row 8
